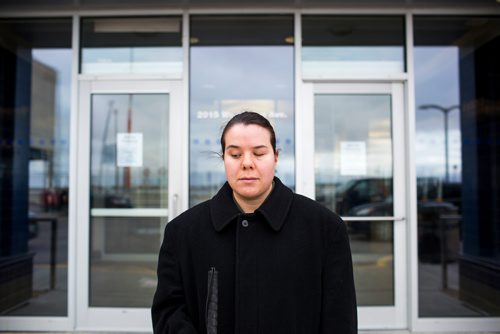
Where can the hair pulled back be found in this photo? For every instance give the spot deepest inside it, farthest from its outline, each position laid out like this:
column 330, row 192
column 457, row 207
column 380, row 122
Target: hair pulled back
column 248, row 118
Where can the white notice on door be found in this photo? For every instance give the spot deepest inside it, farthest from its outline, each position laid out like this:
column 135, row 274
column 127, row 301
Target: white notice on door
column 353, row 158
column 129, row 149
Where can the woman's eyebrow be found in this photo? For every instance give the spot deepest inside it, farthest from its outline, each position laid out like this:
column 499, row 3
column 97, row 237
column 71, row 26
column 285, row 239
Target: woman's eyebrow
column 237, row 147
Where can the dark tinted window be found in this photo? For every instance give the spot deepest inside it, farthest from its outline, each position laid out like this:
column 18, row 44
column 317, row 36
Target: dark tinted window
column 35, row 86
column 458, row 167
column 335, row 45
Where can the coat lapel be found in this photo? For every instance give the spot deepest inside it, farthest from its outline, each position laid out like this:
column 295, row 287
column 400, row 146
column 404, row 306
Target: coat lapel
column 274, row 210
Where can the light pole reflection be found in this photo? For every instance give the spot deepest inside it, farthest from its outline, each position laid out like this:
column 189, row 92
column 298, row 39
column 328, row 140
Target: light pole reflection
column 445, row 112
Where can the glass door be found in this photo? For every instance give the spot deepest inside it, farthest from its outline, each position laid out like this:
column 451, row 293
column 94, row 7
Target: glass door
column 129, row 188
column 357, row 132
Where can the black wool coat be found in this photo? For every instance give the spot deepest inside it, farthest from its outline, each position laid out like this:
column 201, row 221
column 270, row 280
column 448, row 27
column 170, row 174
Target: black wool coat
column 286, row 268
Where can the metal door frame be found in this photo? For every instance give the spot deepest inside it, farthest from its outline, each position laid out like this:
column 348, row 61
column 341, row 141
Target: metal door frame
column 370, row 317
column 104, row 318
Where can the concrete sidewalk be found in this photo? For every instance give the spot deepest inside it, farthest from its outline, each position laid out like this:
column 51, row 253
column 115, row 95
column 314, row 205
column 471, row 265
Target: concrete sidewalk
column 360, row 332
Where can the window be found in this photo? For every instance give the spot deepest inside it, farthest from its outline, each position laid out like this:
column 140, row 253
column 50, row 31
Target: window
column 131, row 45
column 458, row 170
column 238, row 63
column 35, row 71
column 339, row 45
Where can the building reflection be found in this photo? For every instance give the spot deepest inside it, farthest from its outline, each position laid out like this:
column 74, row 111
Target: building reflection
column 457, row 209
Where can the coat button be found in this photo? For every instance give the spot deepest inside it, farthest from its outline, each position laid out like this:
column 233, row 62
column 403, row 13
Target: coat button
column 244, row 223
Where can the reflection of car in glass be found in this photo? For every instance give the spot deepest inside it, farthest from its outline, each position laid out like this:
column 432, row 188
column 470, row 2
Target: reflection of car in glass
column 369, row 229
column 111, row 200
column 434, row 189
column 54, row 198
column 117, row 201
column 438, row 213
column 376, row 209
column 438, row 219
column 32, row 225
column 364, row 197
column 430, row 217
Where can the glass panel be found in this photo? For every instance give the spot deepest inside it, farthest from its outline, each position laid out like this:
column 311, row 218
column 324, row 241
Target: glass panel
column 129, row 150
column 372, row 246
column 129, row 160
column 333, row 45
column 353, row 154
column 238, row 63
column 458, row 116
column 123, row 261
column 35, row 76
column 132, row 45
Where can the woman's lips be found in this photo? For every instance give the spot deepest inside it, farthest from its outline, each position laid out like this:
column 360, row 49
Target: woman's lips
column 247, row 179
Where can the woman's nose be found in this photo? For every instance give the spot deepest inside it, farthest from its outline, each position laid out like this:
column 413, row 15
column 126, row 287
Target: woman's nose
column 247, row 161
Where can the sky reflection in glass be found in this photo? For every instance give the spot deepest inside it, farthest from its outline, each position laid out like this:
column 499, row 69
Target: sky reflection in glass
column 226, row 81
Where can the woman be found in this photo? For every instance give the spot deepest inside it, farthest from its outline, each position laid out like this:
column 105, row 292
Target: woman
column 256, row 258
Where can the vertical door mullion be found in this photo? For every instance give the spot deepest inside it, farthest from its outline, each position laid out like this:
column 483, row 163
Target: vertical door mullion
column 119, row 318
column 399, row 204
column 82, row 253
column 176, row 154
column 304, row 129
column 376, row 315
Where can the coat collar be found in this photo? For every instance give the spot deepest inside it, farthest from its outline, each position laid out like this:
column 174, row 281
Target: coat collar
column 223, row 209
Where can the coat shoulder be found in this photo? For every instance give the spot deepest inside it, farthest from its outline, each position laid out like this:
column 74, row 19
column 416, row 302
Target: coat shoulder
column 307, row 207
column 192, row 217
column 307, row 204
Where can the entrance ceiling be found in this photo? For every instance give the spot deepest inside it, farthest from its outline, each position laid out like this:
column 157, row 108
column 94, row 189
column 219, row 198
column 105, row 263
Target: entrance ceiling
column 34, row 5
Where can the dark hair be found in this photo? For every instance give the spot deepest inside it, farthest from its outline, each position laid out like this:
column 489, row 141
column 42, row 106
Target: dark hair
column 247, row 118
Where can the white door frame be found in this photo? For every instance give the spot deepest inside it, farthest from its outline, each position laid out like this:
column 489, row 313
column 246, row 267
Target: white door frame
column 131, row 319
column 372, row 317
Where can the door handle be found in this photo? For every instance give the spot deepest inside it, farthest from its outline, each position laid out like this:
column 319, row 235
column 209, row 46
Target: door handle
column 175, row 205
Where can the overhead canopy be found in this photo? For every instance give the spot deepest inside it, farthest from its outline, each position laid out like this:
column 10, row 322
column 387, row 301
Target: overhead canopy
column 34, row 5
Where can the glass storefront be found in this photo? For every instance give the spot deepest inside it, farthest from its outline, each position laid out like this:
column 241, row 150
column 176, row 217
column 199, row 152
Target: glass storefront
column 359, row 187
column 152, row 149
column 131, row 46
column 35, row 68
column 345, row 184
column 458, row 170
column 238, row 63
column 129, row 191
column 346, row 45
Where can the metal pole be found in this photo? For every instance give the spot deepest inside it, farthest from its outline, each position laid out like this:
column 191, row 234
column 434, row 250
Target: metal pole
column 446, row 164
column 53, row 252
column 445, row 111
column 444, row 260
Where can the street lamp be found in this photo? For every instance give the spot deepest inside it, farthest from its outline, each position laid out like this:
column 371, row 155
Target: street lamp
column 445, row 112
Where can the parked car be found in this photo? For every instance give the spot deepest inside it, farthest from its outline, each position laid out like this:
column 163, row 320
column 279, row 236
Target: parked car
column 363, row 196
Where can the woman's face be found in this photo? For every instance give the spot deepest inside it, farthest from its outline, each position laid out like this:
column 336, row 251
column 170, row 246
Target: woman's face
column 250, row 162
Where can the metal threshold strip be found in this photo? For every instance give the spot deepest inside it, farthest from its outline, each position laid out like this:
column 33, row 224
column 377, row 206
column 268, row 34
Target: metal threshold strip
column 369, row 218
column 135, row 212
